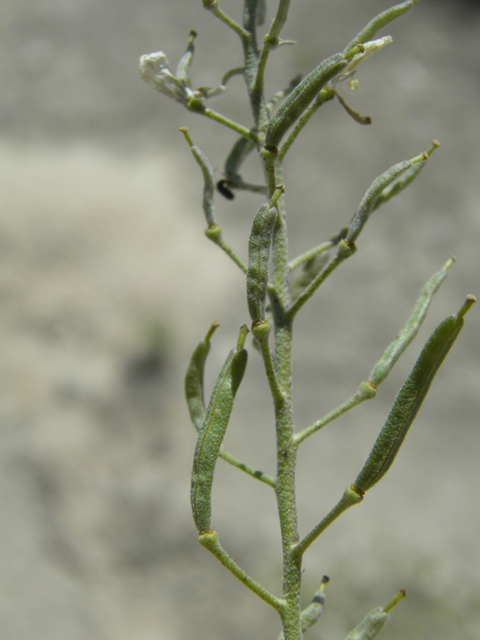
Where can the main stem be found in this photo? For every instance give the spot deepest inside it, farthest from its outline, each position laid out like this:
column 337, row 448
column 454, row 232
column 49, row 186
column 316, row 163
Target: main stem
column 286, row 446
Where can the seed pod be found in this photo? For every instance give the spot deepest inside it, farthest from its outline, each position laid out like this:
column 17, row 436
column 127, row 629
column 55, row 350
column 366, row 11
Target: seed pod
column 212, row 432
column 301, row 97
column 186, row 60
column 404, row 180
column 370, row 626
column 194, row 380
column 373, row 623
column 374, row 191
column 410, row 330
column 258, row 260
column 208, row 186
column 378, row 22
column 312, row 613
column 408, row 402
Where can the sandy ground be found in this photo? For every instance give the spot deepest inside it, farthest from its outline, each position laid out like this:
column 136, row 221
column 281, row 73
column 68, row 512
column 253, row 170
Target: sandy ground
column 107, row 283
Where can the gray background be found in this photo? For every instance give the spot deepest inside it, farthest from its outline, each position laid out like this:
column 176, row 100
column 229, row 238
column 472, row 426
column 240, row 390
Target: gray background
column 107, row 283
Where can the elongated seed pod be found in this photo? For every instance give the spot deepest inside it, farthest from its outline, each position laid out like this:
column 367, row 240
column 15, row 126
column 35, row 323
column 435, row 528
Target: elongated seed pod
column 186, row 60
column 208, row 186
column 211, row 435
column 378, row 22
column 299, row 99
column 407, row 334
column 370, row 626
column 194, row 392
column 404, row 180
column 370, row 198
column 408, row 402
column 259, row 246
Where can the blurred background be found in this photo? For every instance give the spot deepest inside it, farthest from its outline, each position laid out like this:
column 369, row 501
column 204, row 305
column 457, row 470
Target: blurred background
column 107, row 284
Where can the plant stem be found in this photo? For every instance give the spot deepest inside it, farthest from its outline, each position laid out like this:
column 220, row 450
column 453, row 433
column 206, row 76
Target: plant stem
column 366, row 391
column 209, row 540
column 350, row 497
column 251, row 471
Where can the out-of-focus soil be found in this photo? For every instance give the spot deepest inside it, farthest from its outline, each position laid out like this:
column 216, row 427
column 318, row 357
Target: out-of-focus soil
column 107, row 283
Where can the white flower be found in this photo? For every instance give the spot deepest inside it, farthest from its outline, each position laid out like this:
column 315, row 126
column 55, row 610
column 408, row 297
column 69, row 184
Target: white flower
column 155, row 69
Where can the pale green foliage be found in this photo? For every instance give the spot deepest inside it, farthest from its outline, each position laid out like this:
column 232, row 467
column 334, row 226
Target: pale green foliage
column 277, row 288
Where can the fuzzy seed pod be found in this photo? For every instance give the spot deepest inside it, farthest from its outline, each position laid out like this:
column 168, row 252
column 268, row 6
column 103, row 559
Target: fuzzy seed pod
column 212, row 433
column 299, row 99
column 258, row 260
column 408, row 402
column 370, row 626
column 194, row 380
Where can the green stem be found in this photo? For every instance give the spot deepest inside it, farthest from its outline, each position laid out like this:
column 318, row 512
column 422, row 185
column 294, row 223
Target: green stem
column 280, row 19
column 311, row 253
column 214, row 233
column 251, row 471
column 197, row 106
column 350, row 497
column 212, row 5
column 276, row 391
column 209, row 540
column 346, row 249
column 366, row 391
column 324, row 96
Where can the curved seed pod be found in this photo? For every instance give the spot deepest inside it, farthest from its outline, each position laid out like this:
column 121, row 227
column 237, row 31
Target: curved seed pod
column 374, row 191
column 194, row 380
column 209, row 184
column 212, row 432
column 378, row 22
column 410, row 330
column 258, row 260
column 370, row 626
column 405, row 179
column 299, row 99
column 186, row 60
column 408, row 402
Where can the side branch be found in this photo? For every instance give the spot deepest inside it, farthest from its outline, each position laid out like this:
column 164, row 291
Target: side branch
column 351, row 496
column 212, row 5
column 209, row 540
column 345, row 250
column 251, row 471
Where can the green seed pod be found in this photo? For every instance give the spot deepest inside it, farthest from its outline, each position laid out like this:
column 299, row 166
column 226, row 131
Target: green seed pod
column 212, row 433
column 299, row 99
column 370, row 626
column 186, row 60
column 408, row 402
column 404, row 180
column 410, row 330
column 373, row 623
column 259, row 246
column 209, row 184
column 370, row 198
column 194, row 380
column 378, row 22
